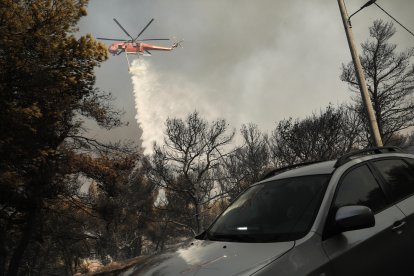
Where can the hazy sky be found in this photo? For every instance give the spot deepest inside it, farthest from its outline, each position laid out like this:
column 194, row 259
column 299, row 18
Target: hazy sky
column 246, row 61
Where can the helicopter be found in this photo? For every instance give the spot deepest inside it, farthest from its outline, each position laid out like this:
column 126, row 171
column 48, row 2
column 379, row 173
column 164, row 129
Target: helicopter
column 134, row 45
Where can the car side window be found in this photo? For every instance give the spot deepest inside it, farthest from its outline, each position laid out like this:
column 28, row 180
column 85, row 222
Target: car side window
column 399, row 176
column 359, row 187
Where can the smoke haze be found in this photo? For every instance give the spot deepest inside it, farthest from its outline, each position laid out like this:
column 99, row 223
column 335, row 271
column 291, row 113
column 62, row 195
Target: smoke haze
column 245, row 61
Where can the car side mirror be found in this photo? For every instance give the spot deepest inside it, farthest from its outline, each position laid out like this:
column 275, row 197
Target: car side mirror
column 355, row 217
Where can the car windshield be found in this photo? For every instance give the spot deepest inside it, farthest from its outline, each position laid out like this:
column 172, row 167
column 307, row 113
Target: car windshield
column 274, row 211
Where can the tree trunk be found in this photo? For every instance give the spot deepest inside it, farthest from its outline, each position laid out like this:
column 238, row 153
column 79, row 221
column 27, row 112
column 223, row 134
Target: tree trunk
column 197, row 217
column 137, row 248
column 3, row 251
column 21, row 247
column 160, row 242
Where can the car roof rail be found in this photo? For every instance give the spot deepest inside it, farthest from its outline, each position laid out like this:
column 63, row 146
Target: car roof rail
column 377, row 150
column 286, row 168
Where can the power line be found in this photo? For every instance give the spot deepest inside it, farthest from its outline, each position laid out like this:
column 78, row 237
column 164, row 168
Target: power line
column 394, row 19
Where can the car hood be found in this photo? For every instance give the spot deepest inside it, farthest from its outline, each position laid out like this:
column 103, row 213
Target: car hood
column 203, row 257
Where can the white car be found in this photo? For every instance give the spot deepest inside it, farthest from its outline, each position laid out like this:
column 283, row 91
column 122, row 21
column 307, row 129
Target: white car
column 352, row 216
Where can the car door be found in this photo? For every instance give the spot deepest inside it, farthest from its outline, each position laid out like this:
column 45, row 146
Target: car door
column 379, row 250
column 399, row 176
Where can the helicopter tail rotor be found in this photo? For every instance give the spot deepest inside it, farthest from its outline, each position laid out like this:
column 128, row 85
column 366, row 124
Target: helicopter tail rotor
column 177, row 44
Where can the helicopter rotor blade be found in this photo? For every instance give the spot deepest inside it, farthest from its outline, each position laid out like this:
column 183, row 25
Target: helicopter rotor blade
column 143, row 30
column 110, row 39
column 119, row 24
column 149, row 39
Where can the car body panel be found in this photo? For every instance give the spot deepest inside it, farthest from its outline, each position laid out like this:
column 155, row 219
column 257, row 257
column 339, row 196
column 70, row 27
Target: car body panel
column 204, row 257
column 307, row 258
column 407, row 207
column 378, row 250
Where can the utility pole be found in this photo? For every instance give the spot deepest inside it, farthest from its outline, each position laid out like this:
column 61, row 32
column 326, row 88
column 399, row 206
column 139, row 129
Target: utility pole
column 360, row 75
